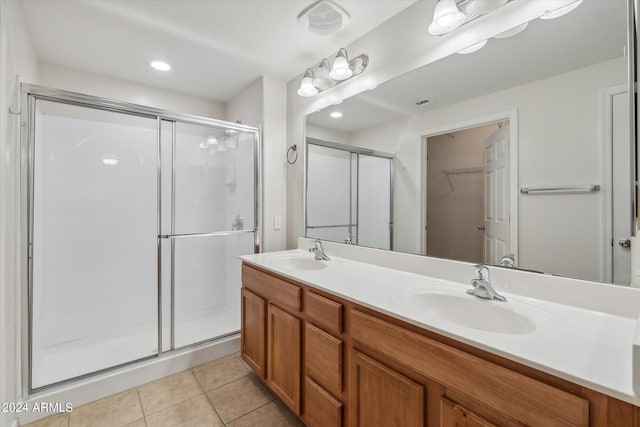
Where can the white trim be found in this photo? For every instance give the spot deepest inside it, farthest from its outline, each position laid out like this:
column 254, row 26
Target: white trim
column 605, row 115
column 514, row 194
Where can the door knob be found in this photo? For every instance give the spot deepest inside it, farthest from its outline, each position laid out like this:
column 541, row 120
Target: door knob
column 481, row 227
column 625, row 243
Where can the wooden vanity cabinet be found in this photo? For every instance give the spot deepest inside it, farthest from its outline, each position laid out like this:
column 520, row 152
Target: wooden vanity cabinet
column 336, row 363
column 454, row 415
column 254, row 328
column 382, row 397
column 273, row 347
column 283, row 373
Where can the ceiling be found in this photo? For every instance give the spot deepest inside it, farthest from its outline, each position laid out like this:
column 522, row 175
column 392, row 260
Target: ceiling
column 216, row 47
column 592, row 33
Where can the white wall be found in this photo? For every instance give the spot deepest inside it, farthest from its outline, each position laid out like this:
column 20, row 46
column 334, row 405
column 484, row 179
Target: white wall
column 246, row 107
column 274, row 144
column 552, row 151
column 17, row 56
column 398, row 45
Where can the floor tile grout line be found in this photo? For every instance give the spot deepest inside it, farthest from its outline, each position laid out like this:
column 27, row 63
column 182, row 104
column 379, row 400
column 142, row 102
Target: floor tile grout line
column 144, row 415
column 173, row 404
column 214, row 409
column 248, row 412
column 227, row 383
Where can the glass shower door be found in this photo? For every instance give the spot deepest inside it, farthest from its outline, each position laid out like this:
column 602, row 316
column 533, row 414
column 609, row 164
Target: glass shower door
column 330, row 194
column 93, row 280
column 213, row 222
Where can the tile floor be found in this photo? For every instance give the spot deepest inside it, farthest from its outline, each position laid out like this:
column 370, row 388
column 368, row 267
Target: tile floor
column 218, row 394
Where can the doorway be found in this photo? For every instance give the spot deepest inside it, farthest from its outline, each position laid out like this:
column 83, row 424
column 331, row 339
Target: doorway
column 466, row 182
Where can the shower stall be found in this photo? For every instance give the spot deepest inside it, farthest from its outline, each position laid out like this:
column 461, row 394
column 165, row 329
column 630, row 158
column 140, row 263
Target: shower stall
column 349, row 195
column 136, row 219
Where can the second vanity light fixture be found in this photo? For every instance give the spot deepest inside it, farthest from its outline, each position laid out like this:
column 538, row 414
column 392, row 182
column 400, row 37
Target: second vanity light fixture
column 326, row 75
column 451, row 14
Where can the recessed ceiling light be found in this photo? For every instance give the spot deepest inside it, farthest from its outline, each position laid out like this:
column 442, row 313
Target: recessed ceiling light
column 336, row 114
column 160, row 65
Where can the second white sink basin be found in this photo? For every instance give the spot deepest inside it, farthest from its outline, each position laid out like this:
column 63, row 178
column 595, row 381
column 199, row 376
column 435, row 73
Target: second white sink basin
column 475, row 313
column 298, row 262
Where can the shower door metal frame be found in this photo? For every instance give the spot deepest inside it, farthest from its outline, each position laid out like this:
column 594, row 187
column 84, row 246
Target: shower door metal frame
column 32, row 93
column 351, row 150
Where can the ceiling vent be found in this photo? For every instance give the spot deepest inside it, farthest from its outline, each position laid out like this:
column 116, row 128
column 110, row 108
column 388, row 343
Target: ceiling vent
column 324, row 17
column 420, row 102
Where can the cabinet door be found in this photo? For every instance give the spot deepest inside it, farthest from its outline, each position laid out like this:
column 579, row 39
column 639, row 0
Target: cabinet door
column 283, row 374
column 380, row 396
column 454, row 415
column 320, row 408
column 254, row 332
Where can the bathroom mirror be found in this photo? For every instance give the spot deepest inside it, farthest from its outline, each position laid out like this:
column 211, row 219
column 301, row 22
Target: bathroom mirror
column 522, row 147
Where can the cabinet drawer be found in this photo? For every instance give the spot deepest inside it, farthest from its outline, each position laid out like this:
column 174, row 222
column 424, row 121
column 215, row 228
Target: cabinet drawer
column 324, row 312
column 320, row 408
column 285, row 294
column 323, row 359
column 515, row 395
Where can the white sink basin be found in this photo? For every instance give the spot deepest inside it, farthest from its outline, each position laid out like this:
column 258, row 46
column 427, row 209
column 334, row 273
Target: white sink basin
column 298, row 262
column 472, row 312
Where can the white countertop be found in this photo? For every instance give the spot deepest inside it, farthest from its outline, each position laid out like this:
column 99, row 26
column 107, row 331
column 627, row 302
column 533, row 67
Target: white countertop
column 586, row 346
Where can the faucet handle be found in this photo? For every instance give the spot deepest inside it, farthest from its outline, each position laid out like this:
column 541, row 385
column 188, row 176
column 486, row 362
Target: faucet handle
column 482, row 272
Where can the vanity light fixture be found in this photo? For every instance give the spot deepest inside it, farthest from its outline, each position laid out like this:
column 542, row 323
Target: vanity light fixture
column 472, row 9
column 341, row 70
column 446, row 18
column 561, row 11
column 328, row 74
column 306, row 85
column 512, row 32
column 160, row 65
column 473, row 48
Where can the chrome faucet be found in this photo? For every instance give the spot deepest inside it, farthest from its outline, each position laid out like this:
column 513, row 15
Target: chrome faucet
column 508, row 260
column 482, row 285
column 318, row 251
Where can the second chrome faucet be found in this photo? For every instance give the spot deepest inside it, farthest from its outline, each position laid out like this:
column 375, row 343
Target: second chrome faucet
column 482, row 285
column 318, row 251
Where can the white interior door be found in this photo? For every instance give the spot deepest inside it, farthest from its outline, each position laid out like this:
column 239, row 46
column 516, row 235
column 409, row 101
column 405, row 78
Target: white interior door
column 496, row 195
column 621, row 189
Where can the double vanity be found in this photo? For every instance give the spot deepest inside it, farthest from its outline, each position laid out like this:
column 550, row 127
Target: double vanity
column 372, row 338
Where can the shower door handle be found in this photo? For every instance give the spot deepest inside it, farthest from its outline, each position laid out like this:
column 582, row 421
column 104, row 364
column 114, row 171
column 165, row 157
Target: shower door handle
column 213, row 233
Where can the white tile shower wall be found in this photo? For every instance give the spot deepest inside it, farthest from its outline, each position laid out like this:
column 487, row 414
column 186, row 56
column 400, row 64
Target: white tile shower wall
column 86, row 212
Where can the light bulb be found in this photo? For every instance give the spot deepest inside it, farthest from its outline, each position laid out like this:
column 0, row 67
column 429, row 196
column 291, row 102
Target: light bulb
column 306, row 85
column 160, row 65
column 512, row 32
column 561, row 11
column 446, row 18
column 473, row 48
column 321, row 79
column 341, row 70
